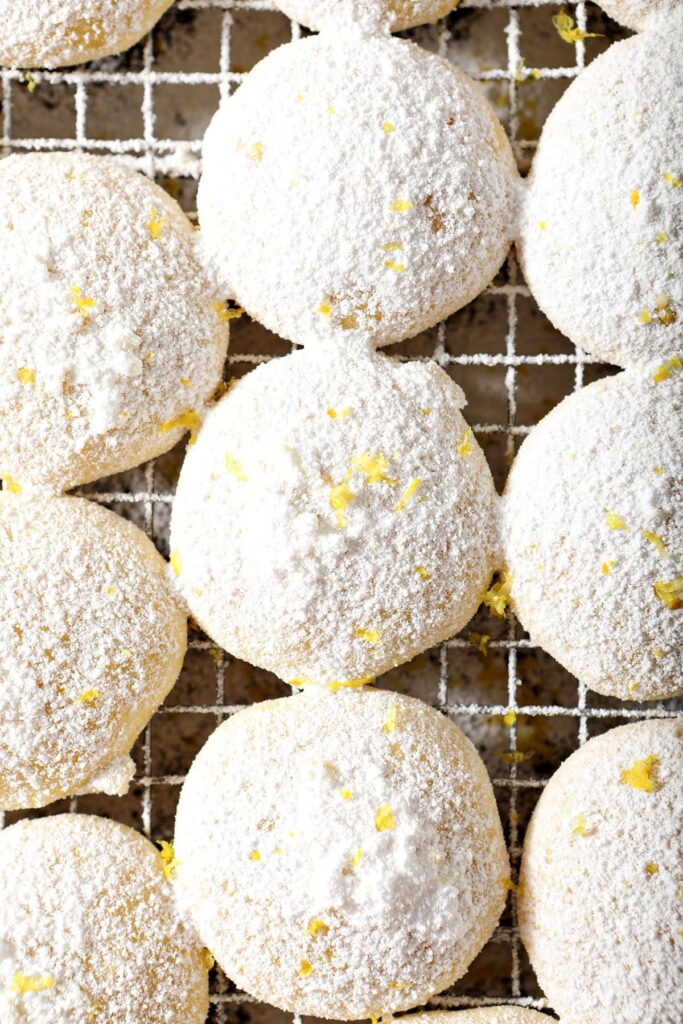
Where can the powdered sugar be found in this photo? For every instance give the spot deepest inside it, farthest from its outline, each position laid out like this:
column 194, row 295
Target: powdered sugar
column 640, row 14
column 602, row 222
column 51, row 33
column 336, row 515
column 601, row 912
column 341, row 854
column 370, row 15
column 91, row 641
column 109, row 330
column 355, row 187
column 593, row 525
column 89, row 929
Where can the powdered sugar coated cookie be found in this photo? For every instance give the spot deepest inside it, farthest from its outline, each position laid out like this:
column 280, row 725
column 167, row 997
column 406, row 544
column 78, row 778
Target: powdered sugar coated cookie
column 341, row 854
column 369, row 15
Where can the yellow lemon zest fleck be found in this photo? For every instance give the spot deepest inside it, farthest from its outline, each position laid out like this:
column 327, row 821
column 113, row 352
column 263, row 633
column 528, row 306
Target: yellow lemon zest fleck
column 510, row 886
column 388, row 127
column 317, row 927
column 305, row 969
column 254, row 855
column 256, row 152
column 407, row 494
column 662, row 238
column 422, row 572
column 82, row 304
column 356, row 859
column 371, row 636
column 663, row 372
column 652, row 868
column 567, row 30
column 89, row 696
column 208, row 960
column 516, row 756
column 10, row 485
column 398, row 984
column 398, row 268
column 226, row 313
column 156, row 224
column 335, row 414
column 659, row 470
column 426, row 411
column 345, row 794
column 480, row 641
column 184, row 382
column 671, row 179
column 373, row 466
column 641, row 774
column 670, row 592
column 31, row 83
column 656, row 540
column 340, row 496
column 168, row 859
column 391, row 247
column 384, row 818
column 580, row 826
column 346, row 684
column 175, row 561
column 26, row 375
column 234, row 467
column 465, row 447
column 189, row 420
column 30, row 983
column 634, row 197
column 644, row 316
column 497, row 597
column 542, row 225
column 391, row 721
column 615, row 522
column 658, row 652
column 325, row 309
column 400, row 205
column 509, row 718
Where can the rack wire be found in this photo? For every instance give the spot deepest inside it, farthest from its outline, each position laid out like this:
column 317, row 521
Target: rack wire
column 498, row 662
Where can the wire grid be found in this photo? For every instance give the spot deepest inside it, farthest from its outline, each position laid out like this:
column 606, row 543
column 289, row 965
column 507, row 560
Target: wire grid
column 181, row 159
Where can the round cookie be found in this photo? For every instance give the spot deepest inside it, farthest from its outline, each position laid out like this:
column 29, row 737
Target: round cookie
column 392, row 14
column 341, row 854
column 487, row 1015
column 336, row 516
column 592, row 534
column 112, row 339
column 600, row 892
column 602, row 221
column 91, row 641
column 52, row 33
column 355, row 187
column 89, row 930
column 639, row 14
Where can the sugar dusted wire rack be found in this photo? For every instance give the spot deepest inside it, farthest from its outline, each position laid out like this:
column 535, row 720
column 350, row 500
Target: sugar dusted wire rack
column 521, row 709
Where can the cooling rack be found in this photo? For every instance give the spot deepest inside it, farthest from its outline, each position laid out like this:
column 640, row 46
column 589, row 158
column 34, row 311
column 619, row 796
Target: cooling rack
column 150, row 107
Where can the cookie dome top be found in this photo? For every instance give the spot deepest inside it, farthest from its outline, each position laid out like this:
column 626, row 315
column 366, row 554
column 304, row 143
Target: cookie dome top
column 336, row 516
column 52, row 33
column 600, row 890
column 602, row 220
column 354, row 834
column 112, row 339
column 355, row 187
column 89, row 928
column 369, row 15
column 640, row 14
column 91, row 641
column 593, row 522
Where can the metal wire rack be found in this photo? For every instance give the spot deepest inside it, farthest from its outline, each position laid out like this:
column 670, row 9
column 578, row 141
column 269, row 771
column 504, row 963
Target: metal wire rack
column 511, row 363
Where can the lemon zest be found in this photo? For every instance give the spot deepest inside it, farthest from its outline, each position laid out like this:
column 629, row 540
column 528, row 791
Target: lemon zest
column 10, row 485
column 615, row 522
column 465, row 447
column 89, row 696
column 169, row 862
column 22, row 983
column 305, row 969
column 407, row 494
column 317, row 927
column 400, row 205
column 510, row 717
column 82, row 304
column 391, row 721
column 670, row 592
column 671, row 179
column 567, row 30
column 422, row 572
column 156, row 224
column 497, row 597
column 384, row 818
column 656, row 540
column 26, row 375
column 234, row 467
column 641, row 774
column 664, row 371
column 175, row 560
column 226, row 313
column 370, row 636
column 373, row 467
column 398, row 268
column 189, row 420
